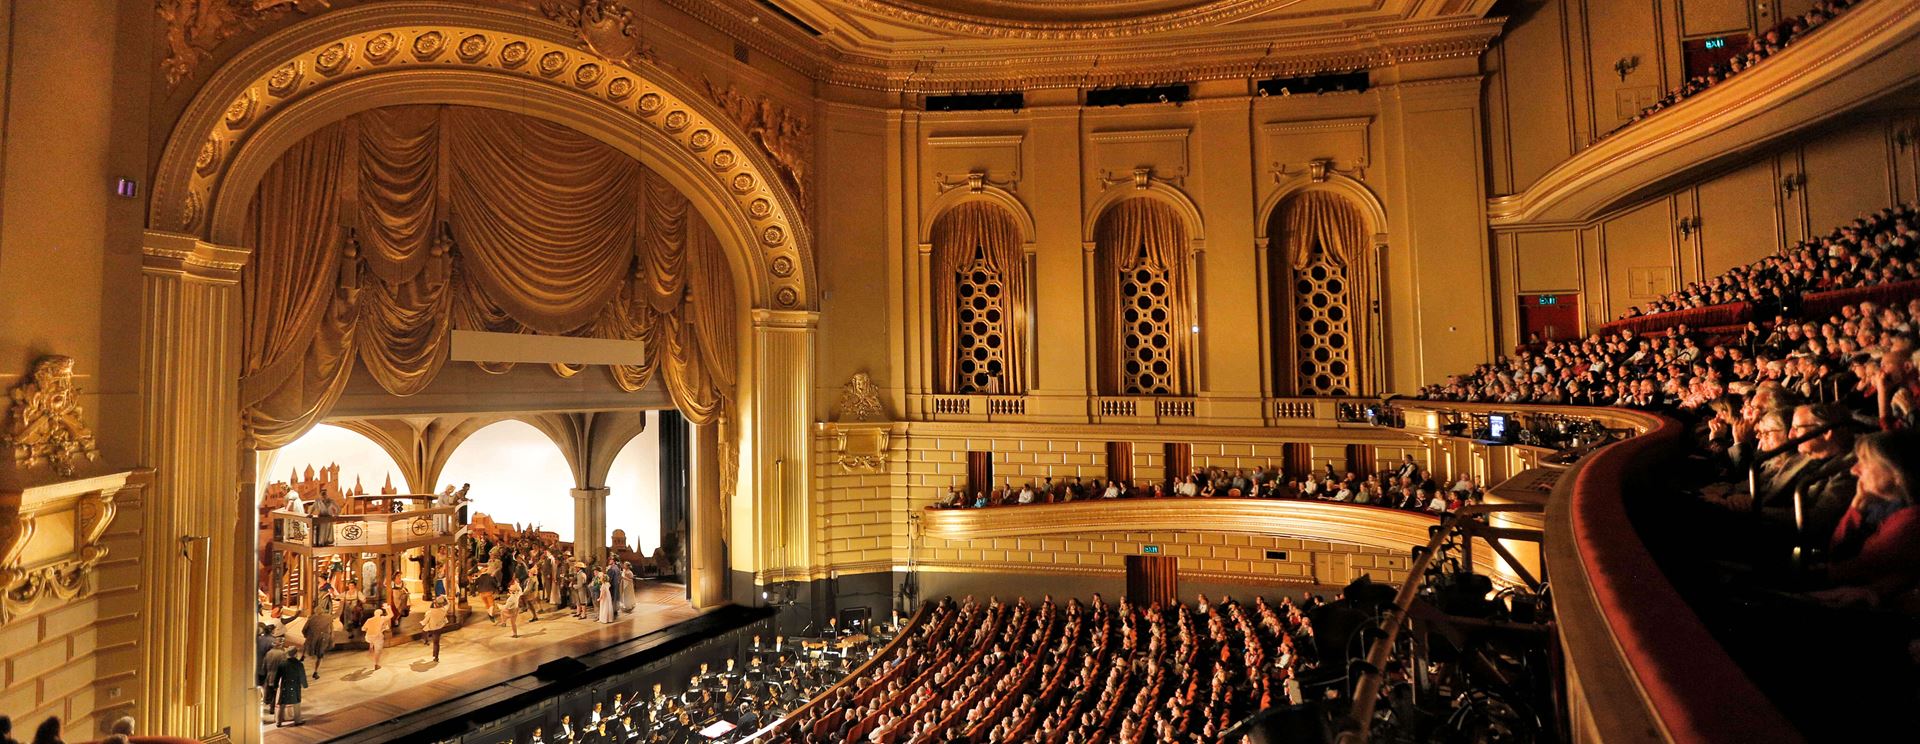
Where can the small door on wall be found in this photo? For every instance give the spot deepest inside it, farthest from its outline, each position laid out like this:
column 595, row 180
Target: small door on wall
column 1549, row 317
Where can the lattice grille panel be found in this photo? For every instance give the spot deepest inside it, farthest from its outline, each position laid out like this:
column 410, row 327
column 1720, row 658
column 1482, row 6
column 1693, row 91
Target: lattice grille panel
column 981, row 366
column 1147, row 332
column 1323, row 325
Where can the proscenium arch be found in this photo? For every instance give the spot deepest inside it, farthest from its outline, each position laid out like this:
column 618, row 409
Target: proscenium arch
column 340, row 63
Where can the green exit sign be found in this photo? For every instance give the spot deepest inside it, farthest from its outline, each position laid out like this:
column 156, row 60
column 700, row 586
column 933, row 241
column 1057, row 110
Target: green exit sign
column 1149, row 550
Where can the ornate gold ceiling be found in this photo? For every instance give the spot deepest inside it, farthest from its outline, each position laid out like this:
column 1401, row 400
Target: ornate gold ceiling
column 988, row 44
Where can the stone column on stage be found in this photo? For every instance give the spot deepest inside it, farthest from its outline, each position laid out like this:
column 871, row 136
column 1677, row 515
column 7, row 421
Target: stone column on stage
column 590, row 524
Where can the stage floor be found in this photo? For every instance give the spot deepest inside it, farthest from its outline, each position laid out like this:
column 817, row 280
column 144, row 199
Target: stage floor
column 350, row 695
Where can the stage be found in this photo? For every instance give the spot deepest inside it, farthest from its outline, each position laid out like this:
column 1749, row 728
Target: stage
column 350, row 696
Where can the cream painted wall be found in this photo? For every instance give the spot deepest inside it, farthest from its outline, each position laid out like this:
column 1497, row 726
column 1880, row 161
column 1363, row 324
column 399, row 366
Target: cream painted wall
column 1627, row 257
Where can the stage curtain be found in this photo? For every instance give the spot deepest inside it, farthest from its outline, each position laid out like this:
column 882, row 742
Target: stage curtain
column 296, row 303
column 956, row 234
column 375, row 237
column 544, row 216
column 1340, row 228
column 1120, row 236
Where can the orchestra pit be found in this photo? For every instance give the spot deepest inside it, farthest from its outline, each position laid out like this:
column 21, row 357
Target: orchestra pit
column 959, row 371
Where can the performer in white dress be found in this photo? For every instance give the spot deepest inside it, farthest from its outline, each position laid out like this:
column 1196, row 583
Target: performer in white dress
column 606, row 601
column 626, row 587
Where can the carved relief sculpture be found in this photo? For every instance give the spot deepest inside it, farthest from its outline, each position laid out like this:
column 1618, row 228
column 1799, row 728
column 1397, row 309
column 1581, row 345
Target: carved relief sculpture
column 193, row 28
column 45, row 425
column 783, row 135
column 605, row 27
column 860, row 400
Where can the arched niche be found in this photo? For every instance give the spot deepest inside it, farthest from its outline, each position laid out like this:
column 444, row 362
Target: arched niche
column 1366, row 326
column 979, row 191
column 518, row 476
column 1144, row 184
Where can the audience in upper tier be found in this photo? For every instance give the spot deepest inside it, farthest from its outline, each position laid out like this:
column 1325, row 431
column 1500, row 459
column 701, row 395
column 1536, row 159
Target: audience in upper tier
column 1881, row 248
column 1407, row 486
column 1073, row 674
column 1763, row 46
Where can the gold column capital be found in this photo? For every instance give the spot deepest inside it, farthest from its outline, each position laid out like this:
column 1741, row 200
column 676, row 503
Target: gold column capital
column 785, row 319
column 186, row 256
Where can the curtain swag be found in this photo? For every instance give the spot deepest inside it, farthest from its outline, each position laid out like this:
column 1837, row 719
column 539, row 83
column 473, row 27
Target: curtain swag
column 375, row 237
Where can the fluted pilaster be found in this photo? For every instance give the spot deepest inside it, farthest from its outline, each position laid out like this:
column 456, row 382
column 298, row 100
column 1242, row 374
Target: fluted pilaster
column 198, row 557
column 783, row 391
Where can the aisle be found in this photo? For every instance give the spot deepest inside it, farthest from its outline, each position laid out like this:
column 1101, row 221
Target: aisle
column 350, row 695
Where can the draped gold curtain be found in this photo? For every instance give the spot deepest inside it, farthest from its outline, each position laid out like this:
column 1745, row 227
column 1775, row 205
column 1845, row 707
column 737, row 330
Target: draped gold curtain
column 375, row 237
column 1131, row 233
column 956, row 234
column 1340, row 228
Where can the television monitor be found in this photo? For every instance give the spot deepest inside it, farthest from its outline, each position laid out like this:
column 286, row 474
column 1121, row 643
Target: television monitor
column 1499, row 427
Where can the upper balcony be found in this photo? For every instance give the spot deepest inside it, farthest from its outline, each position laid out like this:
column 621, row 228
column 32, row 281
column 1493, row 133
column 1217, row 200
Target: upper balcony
column 1867, row 55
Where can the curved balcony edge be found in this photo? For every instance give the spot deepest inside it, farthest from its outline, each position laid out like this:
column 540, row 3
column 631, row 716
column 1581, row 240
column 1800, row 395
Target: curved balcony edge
column 1640, row 665
column 1870, row 52
column 1357, row 524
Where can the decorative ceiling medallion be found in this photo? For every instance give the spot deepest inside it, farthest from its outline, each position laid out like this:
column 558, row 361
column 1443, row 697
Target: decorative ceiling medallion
column 786, row 297
column 473, row 47
column 701, row 139
column 331, row 60
column 209, row 157
column 773, row 235
column 283, row 80
column 380, row 48
column 190, row 211
column 45, row 425
column 760, row 208
column 586, row 75
column 428, row 45
column 552, row 63
column 619, row 88
column 676, row 121
column 723, row 160
column 515, row 54
column 743, row 182
column 240, row 112
column 650, row 103
column 782, row 266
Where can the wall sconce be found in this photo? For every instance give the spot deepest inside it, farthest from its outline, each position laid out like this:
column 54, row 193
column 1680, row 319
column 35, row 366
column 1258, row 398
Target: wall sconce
column 1688, row 225
column 1793, row 182
column 1626, row 65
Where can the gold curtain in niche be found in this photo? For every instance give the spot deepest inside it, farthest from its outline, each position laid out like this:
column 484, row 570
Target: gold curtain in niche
column 1341, row 229
column 296, row 312
column 377, row 236
column 1119, row 236
column 956, row 233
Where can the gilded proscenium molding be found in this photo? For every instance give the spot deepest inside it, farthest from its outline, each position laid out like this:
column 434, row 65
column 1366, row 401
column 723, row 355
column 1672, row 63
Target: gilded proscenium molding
column 1376, row 527
column 45, row 425
column 1866, row 54
column 356, row 49
column 50, row 539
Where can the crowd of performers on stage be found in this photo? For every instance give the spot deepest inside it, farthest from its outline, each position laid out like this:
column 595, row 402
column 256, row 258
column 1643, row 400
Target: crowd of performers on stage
column 509, row 574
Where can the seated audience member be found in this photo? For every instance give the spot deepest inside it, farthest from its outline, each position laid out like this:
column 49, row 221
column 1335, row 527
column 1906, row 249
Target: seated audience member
column 1874, row 557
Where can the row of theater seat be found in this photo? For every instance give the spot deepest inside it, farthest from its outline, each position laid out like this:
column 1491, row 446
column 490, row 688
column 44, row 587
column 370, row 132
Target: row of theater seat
column 1070, row 673
column 1766, row 45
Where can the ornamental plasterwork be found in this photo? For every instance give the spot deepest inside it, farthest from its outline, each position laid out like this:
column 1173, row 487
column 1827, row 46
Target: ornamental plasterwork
column 50, row 541
column 971, row 24
column 605, row 27
column 860, row 400
column 193, row 28
column 192, row 170
column 785, row 137
column 44, row 422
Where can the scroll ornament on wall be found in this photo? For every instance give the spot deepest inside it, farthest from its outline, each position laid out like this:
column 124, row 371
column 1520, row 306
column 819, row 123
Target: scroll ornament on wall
column 862, row 449
column 44, row 424
column 605, row 27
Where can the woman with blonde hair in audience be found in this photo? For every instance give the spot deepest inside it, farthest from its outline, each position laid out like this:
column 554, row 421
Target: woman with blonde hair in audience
column 1875, row 553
